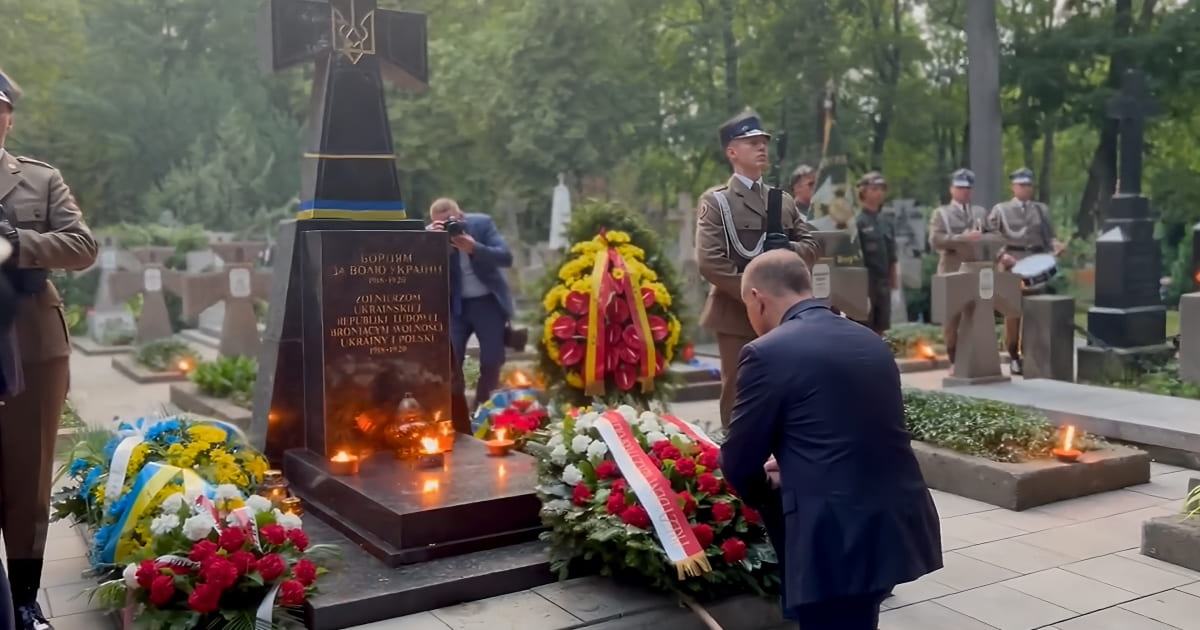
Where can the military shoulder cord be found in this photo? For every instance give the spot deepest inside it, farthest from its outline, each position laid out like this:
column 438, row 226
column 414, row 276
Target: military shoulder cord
column 731, row 230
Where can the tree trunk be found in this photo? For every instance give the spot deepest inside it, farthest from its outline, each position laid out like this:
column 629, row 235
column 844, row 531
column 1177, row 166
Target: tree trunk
column 1044, row 189
column 729, row 40
column 1027, row 142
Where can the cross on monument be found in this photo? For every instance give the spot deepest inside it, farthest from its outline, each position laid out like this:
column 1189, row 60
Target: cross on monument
column 837, row 279
column 153, row 323
column 976, row 292
column 238, row 284
column 349, row 169
column 1131, row 107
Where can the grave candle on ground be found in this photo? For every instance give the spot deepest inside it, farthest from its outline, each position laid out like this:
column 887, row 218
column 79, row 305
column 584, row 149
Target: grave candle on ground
column 1066, row 452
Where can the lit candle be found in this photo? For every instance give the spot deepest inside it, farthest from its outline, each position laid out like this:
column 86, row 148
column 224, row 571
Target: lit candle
column 343, row 464
column 292, row 505
column 499, row 446
column 1067, row 452
column 446, row 433
column 431, row 454
column 925, row 351
column 184, row 366
column 519, row 380
column 274, row 487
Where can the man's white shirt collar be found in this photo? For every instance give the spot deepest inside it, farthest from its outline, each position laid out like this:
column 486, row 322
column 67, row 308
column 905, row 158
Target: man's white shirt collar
column 749, row 183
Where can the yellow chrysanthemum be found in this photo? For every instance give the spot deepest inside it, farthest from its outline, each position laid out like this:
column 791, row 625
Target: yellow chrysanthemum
column 205, row 433
column 631, row 252
column 575, row 380
column 138, row 457
column 98, row 492
column 662, row 297
column 592, row 247
column 256, row 466
column 554, row 298
column 583, row 286
column 618, row 274
column 674, row 330
column 616, row 237
column 553, row 352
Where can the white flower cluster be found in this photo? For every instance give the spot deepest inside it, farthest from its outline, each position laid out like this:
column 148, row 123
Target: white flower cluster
column 567, row 448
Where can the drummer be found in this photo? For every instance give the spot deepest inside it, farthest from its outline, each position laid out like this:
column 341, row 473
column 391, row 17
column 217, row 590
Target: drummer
column 1027, row 230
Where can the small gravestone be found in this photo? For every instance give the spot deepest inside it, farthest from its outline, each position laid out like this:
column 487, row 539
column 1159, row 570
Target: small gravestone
column 1048, row 337
column 1195, row 270
column 1128, row 324
column 1189, row 338
column 976, row 292
column 237, row 285
column 838, row 279
column 107, row 317
column 911, row 243
column 149, row 281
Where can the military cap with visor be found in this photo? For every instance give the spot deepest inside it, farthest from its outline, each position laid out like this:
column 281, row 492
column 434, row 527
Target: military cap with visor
column 1021, row 176
column 874, row 178
column 745, row 125
column 10, row 92
column 962, row 178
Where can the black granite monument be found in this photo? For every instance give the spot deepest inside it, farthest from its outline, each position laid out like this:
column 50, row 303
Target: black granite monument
column 359, row 324
column 1128, row 324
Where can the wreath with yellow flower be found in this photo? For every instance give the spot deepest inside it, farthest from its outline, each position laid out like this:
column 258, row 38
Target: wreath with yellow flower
column 611, row 325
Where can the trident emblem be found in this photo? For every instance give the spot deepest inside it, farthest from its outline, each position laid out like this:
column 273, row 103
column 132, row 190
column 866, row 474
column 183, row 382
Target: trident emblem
column 354, row 37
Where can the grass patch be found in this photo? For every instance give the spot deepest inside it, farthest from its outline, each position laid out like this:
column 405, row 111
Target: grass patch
column 231, row 378
column 983, row 428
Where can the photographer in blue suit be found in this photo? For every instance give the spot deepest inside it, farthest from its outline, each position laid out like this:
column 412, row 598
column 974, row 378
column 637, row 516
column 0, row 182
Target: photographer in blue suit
column 819, row 447
column 480, row 301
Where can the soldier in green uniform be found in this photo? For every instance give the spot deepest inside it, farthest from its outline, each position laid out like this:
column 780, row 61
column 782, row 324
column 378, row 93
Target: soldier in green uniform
column 1027, row 230
column 877, row 235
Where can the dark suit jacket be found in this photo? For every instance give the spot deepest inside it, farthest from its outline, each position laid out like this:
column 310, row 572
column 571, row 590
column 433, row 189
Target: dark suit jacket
column 11, row 373
column 491, row 255
column 853, row 515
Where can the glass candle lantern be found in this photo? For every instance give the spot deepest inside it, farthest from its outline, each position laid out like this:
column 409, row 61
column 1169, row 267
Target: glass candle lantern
column 409, row 424
column 274, row 488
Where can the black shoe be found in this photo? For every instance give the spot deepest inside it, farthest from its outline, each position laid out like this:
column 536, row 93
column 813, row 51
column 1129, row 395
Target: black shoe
column 1014, row 367
column 30, row 617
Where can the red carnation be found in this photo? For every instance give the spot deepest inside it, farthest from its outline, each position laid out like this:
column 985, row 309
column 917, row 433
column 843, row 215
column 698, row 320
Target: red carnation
column 704, row 534
column 689, row 353
column 291, row 594
column 298, row 538
column 710, row 459
column 608, row 470
column 305, row 572
column 232, row 539
column 270, row 567
column 205, row 599
column 686, row 466
column 668, row 452
column 202, row 550
column 635, row 515
column 162, row 590
column 581, row 495
column 708, row 484
column 619, row 486
column 734, row 550
column 505, row 419
column 616, row 503
column 243, row 560
column 751, row 515
column 656, row 461
column 722, row 512
column 218, row 572
column 274, row 534
column 146, row 573
column 688, row 502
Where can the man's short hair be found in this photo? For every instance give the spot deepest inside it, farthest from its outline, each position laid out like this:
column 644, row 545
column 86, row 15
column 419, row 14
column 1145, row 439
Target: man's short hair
column 778, row 273
column 442, row 205
column 801, row 172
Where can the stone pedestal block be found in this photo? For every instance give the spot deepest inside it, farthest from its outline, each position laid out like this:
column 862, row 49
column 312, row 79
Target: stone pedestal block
column 1048, row 337
column 1189, row 337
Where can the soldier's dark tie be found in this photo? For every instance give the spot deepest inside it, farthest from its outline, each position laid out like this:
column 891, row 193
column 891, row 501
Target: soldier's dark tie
column 757, row 189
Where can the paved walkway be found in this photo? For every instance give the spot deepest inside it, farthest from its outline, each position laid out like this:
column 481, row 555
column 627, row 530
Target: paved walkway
column 1073, row 565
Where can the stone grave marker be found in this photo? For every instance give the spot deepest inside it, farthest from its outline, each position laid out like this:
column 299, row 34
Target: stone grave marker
column 1128, row 324
column 358, row 322
column 1196, row 257
column 837, row 278
column 560, row 214
column 1048, row 337
column 150, row 281
column 237, row 285
column 1189, row 337
column 108, row 316
column 977, row 291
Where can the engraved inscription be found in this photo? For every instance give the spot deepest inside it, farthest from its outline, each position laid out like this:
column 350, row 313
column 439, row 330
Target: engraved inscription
column 391, row 318
column 152, row 280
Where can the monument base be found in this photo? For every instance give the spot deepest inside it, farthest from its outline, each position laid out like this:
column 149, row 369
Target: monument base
column 1128, row 327
column 1107, row 365
column 951, row 381
column 403, row 514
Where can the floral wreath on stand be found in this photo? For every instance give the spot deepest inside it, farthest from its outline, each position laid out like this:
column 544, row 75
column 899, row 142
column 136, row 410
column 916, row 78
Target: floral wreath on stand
column 610, row 330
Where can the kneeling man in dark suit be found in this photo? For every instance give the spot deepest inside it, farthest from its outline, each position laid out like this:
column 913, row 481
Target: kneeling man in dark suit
column 817, row 443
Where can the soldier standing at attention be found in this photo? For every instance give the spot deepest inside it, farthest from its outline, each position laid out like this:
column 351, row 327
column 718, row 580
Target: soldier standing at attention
column 731, row 229
column 42, row 224
column 1027, row 230
column 877, row 235
column 950, row 228
column 803, row 185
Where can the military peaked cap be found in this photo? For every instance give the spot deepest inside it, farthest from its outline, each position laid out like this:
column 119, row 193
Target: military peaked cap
column 962, row 178
column 745, row 125
column 1021, row 176
column 10, row 92
column 874, row 178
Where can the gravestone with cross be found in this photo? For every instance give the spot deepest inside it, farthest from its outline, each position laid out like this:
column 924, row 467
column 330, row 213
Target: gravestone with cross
column 238, row 284
column 976, row 292
column 107, row 316
column 837, row 277
column 1128, row 323
column 150, row 280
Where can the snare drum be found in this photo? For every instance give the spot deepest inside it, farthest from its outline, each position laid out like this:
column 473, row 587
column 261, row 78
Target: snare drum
column 1036, row 271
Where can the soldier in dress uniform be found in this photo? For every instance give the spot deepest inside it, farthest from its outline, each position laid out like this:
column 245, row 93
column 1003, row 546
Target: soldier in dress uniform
column 803, row 185
column 950, row 225
column 731, row 229
column 877, row 235
column 1027, row 230
column 45, row 229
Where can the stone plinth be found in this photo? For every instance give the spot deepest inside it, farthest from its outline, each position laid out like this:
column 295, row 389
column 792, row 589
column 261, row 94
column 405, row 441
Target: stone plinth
column 1173, row 539
column 1189, row 337
column 1048, row 337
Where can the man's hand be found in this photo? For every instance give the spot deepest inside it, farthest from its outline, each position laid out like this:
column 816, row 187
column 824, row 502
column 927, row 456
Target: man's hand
column 972, row 235
column 9, row 233
column 772, row 470
column 464, row 243
column 436, row 226
column 776, row 241
column 1059, row 247
column 1007, row 261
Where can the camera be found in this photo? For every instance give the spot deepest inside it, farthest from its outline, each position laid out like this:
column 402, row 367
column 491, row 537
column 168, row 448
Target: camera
column 454, row 227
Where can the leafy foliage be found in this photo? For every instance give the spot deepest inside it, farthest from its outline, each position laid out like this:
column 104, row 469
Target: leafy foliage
column 1164, row 380
column 165, row 355
column 906, row 340
column 231, row 378
column 983, row 428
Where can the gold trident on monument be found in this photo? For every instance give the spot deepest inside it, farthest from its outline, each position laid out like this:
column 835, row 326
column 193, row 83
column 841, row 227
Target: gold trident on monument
column 353, row 37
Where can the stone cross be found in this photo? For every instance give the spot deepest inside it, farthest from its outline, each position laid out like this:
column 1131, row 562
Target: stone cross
column 983, row 95
column 560, row 214
column 107, row 315
column 1189, row 338
column 1132, row 106
column 349, row 169
column 976, row 292
column 149, row 281
column 238, row 284
column 837, row 277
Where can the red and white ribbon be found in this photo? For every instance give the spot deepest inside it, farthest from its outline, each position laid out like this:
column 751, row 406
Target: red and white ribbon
column 654, row 493
column 692, row 431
